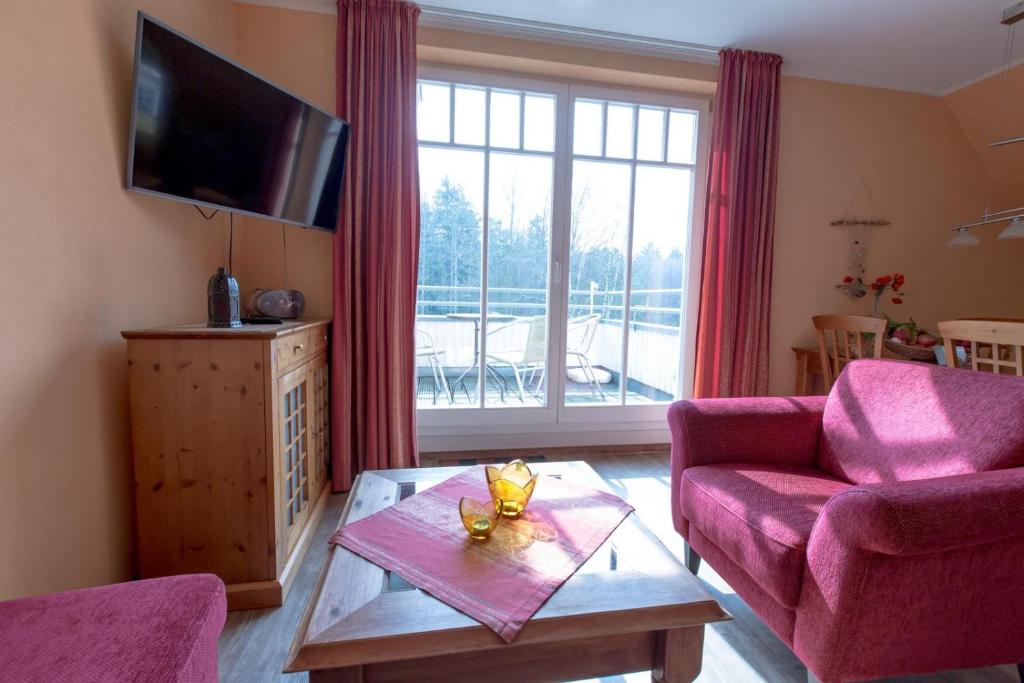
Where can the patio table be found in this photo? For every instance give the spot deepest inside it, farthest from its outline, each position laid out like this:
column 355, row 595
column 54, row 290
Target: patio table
column 475, row 318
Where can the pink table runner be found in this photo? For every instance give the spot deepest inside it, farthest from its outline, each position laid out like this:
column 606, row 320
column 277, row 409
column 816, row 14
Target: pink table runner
column 504, row 580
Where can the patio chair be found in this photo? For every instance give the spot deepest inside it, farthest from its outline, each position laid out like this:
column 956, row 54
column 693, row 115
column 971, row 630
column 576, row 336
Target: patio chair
column 425, row 349
column 528, row 357
column 580, row 333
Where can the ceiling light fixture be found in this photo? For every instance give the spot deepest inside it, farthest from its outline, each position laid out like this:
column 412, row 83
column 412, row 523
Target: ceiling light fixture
column 1015, row 230
column 963, row 238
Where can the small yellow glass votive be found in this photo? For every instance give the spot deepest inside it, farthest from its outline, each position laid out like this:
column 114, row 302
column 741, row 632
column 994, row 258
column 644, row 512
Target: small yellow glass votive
column 513, row 485
column 480, row 519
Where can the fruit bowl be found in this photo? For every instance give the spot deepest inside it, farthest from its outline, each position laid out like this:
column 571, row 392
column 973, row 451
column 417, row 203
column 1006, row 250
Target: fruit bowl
column 907, row 340
column 910, row 351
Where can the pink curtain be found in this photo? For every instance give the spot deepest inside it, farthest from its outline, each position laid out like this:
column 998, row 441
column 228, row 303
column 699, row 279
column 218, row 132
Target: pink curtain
column 376, row 249
column 736, row 280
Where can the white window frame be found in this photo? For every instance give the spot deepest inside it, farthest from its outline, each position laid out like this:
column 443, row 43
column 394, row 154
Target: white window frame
column 646, row 415
column 479, row 418
column 556, row 424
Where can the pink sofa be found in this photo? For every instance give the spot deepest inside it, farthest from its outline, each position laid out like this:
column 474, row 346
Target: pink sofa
column 879, row 531
column 153, row 631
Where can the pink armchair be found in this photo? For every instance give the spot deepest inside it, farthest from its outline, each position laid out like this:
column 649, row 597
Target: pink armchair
column 878, row 531
column 162, row 630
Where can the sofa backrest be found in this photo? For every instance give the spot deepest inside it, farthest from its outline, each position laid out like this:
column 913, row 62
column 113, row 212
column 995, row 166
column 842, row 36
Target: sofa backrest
column 896, row 421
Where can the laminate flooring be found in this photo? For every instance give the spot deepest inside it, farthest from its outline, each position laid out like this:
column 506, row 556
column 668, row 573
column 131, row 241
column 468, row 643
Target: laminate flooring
column 255, row 643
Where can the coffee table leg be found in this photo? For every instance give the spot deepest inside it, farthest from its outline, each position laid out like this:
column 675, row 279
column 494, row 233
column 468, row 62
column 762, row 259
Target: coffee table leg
column 349, row 674
column 678, row 656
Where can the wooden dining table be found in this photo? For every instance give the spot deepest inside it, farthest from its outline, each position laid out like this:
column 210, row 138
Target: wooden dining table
column 808, row 362
column 808, row 368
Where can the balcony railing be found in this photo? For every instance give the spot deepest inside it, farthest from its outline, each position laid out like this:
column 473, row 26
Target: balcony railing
column 654, row 324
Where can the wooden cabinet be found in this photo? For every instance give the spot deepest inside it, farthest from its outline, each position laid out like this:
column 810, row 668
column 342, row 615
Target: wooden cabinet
column 230, row 440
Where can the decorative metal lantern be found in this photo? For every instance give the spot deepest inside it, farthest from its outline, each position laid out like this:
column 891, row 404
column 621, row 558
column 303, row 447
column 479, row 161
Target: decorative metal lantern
column 222, row 300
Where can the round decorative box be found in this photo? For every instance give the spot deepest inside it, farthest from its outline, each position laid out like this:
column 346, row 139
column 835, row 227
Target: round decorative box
column 274, row 303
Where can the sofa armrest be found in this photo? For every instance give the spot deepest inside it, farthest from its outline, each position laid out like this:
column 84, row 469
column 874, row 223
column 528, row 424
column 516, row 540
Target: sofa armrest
column 911, row 564
column 777, row 431
column 925, row 516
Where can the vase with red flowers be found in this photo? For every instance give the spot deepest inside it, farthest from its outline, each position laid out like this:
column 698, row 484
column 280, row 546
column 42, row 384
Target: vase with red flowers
column 856, row 288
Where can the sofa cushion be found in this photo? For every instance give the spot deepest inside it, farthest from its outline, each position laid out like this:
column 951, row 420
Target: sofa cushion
column 155, row 630
column 897, row 421
column 760, row 516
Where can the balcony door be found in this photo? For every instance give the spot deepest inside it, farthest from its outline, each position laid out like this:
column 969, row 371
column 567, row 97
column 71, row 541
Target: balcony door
column 485, row 322
column 557, row 250
column 632, row 254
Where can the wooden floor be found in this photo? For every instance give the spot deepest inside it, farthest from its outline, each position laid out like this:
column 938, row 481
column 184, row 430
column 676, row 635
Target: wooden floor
column 255, row 643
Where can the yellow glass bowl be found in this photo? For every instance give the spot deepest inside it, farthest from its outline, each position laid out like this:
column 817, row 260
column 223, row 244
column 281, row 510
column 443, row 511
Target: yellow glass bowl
column 480, row 519
column 513, row 485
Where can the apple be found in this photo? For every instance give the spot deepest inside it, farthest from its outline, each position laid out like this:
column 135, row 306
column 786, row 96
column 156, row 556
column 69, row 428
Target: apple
column 926, row 340
column 903, row 334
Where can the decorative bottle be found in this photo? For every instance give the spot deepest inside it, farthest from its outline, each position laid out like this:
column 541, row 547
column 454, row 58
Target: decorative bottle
column 222, row 300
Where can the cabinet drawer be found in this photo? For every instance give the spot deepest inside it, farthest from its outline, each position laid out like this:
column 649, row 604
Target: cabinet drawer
column 295, row 349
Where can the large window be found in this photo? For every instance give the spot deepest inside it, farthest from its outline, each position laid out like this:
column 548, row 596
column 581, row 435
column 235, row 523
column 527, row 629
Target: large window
column 556, row 282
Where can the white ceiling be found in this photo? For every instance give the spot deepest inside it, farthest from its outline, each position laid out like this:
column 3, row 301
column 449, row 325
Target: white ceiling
column 930, row 46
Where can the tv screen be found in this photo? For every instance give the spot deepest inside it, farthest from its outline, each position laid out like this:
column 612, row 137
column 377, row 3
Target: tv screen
column 208, row 132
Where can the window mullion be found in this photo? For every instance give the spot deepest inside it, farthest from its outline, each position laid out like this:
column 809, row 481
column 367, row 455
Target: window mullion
column 664, row 138
column 627, row 284
column 604, row 128
column 481, row 382
column 451, row 113
column 522, row 120
column 561, row 228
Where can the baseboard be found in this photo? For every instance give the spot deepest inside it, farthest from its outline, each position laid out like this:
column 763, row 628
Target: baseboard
column 254, row 595
column 555, row 453
column 262, row 594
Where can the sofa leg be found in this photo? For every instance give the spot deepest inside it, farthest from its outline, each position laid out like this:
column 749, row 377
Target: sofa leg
column 692, row 559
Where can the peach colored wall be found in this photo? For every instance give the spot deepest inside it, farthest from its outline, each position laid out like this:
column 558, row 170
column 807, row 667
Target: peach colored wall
column 984, row 116
column 923, row 175
column 81, row 260
column 296, row 50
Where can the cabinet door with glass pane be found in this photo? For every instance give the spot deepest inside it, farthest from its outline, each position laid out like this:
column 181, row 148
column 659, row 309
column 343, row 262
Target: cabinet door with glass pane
column 295, row 410
column 320, row 373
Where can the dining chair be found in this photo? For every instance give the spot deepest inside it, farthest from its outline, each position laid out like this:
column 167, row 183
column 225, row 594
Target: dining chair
column 841, row 339
column 996, row 343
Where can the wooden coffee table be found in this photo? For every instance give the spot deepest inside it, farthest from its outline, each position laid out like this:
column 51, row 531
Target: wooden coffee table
column 631, row 607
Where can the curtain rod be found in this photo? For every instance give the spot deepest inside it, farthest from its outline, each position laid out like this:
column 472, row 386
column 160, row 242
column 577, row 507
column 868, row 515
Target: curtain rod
column 989, row 221
column 443, row 17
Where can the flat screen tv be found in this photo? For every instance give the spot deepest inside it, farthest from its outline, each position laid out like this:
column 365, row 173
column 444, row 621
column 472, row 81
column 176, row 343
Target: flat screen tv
column 208, row 132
